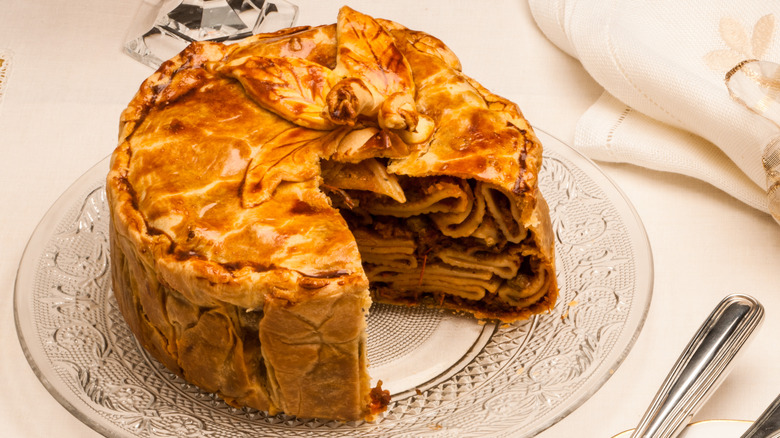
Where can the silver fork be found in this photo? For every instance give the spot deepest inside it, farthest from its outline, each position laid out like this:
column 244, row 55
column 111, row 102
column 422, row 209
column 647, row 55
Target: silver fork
column 768, row 424
column 701, row 368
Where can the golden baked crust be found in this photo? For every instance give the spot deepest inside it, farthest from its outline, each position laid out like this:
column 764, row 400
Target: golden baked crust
column 258, row 187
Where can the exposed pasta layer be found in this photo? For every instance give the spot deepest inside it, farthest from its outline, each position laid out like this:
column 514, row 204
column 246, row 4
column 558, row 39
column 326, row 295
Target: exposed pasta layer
column 454, row 243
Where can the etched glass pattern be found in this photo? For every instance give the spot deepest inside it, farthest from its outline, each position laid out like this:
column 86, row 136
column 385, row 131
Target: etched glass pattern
column 482, row 379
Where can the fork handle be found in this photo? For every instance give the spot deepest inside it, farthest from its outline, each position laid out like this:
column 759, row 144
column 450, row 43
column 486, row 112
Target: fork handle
column 702, row 366
column 768, row 424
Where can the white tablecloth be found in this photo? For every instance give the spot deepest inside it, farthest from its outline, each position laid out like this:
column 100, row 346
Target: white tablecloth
column 68, row 81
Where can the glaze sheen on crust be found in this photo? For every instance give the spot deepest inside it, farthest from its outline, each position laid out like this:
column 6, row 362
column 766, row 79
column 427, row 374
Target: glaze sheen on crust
column 249, row 178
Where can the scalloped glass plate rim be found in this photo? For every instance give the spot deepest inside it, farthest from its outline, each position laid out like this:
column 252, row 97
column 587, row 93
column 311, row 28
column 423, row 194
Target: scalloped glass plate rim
column 634, row 232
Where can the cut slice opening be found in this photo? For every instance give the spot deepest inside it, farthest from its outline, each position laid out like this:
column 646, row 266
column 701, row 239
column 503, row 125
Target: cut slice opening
column 454, row 243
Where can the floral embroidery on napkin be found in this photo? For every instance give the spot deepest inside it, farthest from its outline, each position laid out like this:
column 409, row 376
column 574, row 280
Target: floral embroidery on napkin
column 5, row 68
column 740, row 45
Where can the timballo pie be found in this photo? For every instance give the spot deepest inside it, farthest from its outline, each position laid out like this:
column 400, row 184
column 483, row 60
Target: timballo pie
column 263, row 193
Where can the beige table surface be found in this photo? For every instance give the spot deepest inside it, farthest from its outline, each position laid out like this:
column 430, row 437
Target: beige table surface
column 68, row 81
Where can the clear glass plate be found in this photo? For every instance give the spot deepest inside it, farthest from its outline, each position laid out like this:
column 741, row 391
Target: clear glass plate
column 449, row 375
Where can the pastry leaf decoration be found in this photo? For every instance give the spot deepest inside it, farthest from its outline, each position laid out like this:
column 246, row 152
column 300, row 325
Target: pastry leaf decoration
column 292, row 156
column 370, row 86
column 293, row 88
column 367, row 51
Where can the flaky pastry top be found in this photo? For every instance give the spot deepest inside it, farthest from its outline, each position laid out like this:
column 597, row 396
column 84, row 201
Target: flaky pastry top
column 219, row 166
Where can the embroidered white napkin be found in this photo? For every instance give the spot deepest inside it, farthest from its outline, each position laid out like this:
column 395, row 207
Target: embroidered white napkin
column 663, row 65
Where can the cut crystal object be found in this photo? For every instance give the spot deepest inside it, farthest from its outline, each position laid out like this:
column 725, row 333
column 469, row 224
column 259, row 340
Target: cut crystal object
column 163, row 28
column 755, row 84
